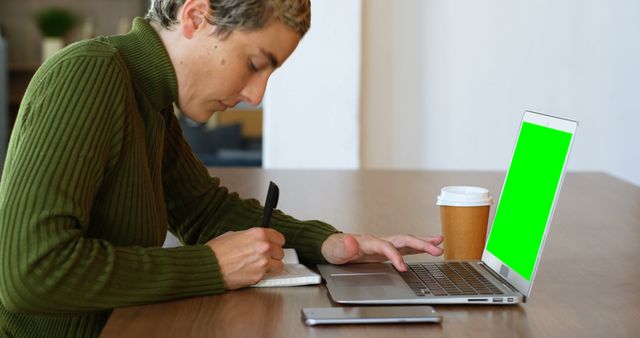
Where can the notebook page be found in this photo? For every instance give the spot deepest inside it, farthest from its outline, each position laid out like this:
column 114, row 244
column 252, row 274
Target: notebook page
column 294, row 273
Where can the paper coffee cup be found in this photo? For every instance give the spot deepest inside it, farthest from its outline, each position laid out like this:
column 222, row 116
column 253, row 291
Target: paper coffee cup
column 464, row 214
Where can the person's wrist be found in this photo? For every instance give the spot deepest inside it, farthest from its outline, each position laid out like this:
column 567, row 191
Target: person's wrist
column 340, row 248
column 327, row 244
column 323, row 247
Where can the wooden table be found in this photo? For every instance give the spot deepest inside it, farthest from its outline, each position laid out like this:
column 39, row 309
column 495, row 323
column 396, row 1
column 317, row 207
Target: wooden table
column 588, row 284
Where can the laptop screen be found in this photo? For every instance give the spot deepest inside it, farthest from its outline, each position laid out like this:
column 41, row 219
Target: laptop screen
column 527, row 197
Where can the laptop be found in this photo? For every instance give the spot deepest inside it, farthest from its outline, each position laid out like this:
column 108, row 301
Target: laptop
column 513, row 249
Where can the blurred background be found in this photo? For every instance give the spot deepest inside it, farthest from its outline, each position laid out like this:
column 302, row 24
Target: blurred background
column 232, row 138
column 411, row 84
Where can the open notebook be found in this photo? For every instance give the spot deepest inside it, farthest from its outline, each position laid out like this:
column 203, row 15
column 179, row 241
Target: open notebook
column 294, row 273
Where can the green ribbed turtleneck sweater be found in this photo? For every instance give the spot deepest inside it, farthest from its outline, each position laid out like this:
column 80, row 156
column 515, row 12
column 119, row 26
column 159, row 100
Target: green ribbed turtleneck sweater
column 96, row 173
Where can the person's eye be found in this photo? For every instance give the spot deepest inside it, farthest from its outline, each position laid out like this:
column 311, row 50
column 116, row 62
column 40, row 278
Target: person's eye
column 252, row 66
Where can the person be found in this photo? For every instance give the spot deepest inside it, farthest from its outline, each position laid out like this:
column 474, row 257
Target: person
column 97, row 171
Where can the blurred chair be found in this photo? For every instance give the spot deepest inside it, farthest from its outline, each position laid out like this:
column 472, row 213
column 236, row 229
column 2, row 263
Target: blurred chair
column 222, row 146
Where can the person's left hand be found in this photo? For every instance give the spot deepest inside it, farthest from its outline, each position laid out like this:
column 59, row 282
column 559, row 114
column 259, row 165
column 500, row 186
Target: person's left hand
column 348, row 248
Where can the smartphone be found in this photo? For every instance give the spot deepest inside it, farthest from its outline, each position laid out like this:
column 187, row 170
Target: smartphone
column 370, row 314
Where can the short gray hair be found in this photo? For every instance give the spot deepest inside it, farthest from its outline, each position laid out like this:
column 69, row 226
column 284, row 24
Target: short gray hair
column 247, row 15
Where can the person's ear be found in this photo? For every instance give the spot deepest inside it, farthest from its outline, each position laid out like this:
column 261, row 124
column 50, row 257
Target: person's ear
column 192, row 16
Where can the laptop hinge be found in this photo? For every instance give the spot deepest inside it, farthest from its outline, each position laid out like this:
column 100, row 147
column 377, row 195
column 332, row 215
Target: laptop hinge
column 503, row 281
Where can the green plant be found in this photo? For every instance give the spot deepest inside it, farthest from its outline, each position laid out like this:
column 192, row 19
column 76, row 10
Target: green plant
column 55, row 21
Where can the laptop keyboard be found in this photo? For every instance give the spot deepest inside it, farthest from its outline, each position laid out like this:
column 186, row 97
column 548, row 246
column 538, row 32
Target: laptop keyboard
column 447, row 279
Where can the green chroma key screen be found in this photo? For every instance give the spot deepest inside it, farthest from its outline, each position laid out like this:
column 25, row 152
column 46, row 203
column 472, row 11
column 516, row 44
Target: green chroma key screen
column 527, row 197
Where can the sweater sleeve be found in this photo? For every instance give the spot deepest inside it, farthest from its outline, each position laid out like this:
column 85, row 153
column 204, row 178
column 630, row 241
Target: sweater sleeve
column 63, row 144
column 200, row 208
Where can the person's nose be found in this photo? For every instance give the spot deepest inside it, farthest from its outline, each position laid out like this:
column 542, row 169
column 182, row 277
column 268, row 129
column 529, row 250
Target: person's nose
column 253, row 92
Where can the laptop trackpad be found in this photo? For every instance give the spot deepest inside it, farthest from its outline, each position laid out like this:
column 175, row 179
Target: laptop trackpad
column 364, row 279
column 363, row 275
column 369, row 282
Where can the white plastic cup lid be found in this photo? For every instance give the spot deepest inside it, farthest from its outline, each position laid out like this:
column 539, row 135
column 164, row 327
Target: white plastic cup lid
column 464, row 196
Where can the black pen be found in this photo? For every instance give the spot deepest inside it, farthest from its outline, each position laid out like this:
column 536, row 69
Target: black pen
column 270, row 203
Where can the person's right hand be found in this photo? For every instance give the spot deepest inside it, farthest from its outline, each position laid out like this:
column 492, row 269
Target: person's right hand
column 246, row 256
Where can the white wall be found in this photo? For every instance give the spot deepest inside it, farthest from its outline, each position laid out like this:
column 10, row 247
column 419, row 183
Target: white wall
column 445, row 82
column 312, row 104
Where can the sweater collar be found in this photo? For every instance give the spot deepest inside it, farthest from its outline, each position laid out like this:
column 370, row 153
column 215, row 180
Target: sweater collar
column 149, row 63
